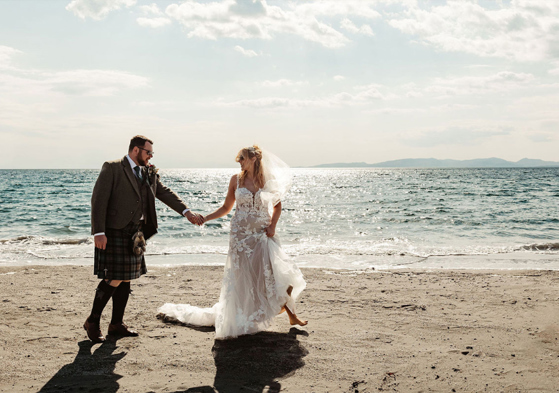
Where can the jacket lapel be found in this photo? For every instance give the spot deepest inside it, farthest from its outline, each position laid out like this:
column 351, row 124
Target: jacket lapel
column 130, row 175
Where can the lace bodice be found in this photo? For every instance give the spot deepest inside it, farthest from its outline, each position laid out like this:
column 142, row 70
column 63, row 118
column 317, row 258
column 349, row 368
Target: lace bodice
column 246, row 200
column 250, row 213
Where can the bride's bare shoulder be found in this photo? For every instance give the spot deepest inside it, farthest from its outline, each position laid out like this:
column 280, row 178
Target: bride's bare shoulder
column 234, row 180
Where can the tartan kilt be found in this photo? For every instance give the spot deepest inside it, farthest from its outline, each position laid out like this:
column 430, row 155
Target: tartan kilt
column 117, row 261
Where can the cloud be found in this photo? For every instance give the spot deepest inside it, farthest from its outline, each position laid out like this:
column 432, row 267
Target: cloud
column 283, row 83
column 36, row 83
column 348, row 25
column 542, row 137
column 553, row 71
column 6, row 55
column 92, row 82
column 364, row 95
column 338, row 78
column 467, row 85
column 255, row 19
column 152, row 9
column 523, row 30
column 97, row 9
column 245, row 52
column 369, row 96
column 465, row 135
column 71, row 83
column 153, row 22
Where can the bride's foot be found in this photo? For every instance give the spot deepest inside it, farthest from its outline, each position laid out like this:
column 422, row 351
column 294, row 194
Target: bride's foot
column 294, row 320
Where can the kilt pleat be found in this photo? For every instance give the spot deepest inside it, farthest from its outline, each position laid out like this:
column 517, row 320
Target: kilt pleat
column 117, row 261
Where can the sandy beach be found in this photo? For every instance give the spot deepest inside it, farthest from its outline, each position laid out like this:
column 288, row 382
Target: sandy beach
column 368, row 331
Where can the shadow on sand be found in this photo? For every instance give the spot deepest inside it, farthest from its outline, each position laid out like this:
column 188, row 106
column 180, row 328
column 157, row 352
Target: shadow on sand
column 255, row 362
column 89, row 372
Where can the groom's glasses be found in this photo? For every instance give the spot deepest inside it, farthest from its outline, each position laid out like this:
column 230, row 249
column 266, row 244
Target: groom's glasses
column 150, row 153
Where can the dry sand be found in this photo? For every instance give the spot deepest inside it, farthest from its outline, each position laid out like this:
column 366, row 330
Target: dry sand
column 443, row 331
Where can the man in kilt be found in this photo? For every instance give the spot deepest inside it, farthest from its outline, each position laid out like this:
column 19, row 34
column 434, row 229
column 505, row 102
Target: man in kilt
column 123, row 203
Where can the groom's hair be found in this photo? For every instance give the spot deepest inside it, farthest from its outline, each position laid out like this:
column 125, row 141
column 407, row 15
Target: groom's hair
column 138, row 141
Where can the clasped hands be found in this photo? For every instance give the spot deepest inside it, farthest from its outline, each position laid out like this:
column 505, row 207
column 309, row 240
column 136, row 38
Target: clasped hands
column 195, row 218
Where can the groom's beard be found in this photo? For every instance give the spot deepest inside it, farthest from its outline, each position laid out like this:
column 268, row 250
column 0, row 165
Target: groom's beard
column 142, row 162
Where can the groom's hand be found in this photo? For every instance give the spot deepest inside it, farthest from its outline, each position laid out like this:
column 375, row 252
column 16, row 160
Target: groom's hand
column 194, row 218
column 100, row 241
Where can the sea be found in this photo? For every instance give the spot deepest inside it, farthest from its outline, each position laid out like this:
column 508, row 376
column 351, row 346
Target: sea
column 357, row 219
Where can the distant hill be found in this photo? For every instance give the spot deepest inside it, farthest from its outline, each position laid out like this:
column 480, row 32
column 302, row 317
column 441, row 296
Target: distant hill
column 435, row 163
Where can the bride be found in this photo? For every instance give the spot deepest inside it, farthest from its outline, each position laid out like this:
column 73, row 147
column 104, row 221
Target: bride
column 259, row 281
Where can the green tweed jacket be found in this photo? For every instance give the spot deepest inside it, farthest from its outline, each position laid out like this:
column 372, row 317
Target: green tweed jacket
column 116, row 198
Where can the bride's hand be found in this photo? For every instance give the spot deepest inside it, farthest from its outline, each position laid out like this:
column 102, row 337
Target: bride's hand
column 270, row 231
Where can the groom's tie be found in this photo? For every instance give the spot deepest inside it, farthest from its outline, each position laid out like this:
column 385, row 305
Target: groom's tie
column 138, row 172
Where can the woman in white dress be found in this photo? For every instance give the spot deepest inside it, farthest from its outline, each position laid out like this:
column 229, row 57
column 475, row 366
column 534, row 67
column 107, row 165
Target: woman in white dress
column 259, row 279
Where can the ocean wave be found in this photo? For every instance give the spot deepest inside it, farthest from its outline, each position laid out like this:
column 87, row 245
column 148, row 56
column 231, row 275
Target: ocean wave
column 67, row 248
column 540, row 247
column 29, row 239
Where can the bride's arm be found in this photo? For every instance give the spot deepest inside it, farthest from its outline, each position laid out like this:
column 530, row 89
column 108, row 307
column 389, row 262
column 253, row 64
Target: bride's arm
column 271, row 230
column 228, row 204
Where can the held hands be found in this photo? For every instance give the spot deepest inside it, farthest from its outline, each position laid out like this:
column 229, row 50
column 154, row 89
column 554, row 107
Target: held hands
column 194, row 218
column 100, row 241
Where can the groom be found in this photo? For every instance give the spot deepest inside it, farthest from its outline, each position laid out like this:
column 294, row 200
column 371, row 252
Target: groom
column 123, row 203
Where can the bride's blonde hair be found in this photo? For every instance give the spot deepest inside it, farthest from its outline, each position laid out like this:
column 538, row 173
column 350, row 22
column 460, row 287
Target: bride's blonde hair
column 249, row 152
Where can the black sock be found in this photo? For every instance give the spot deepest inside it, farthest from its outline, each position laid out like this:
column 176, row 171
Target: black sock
column 120, row 298
column 102, row 295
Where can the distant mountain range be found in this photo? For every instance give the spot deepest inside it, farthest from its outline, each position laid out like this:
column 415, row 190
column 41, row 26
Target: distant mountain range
column 435, row 163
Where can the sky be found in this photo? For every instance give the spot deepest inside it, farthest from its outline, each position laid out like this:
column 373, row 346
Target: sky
column 312, row 81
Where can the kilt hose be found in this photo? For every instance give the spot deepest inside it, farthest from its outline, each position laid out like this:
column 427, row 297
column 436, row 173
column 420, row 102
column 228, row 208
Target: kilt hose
column 117, row 261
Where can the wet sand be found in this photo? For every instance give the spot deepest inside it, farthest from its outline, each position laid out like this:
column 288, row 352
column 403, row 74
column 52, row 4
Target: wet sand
column 405, row 330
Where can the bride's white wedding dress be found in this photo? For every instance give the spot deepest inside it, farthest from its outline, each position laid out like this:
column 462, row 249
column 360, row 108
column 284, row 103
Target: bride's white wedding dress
column 256, row 278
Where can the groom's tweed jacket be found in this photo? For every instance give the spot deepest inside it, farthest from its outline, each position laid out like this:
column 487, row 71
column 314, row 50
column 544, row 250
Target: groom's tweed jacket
column 116, row 200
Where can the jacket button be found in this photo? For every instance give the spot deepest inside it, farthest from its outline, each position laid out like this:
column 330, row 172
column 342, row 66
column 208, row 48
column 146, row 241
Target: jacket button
column 137, row 201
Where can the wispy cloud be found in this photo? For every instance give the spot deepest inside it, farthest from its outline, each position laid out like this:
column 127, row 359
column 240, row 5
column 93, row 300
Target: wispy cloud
column 39, row 84
column 245, row 52
column 152, row 9
column 468, row 85
column 248, row 19
column 349, row 26
column 524, row 30
column 153, row 22
column 465, row 135
column 555, row 70
column 283, row 83
column 97, row 9
column 363, row 96
column 6, row 55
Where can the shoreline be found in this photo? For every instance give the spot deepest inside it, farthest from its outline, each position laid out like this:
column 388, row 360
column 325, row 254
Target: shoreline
column 522, row 260
column 380, row 330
